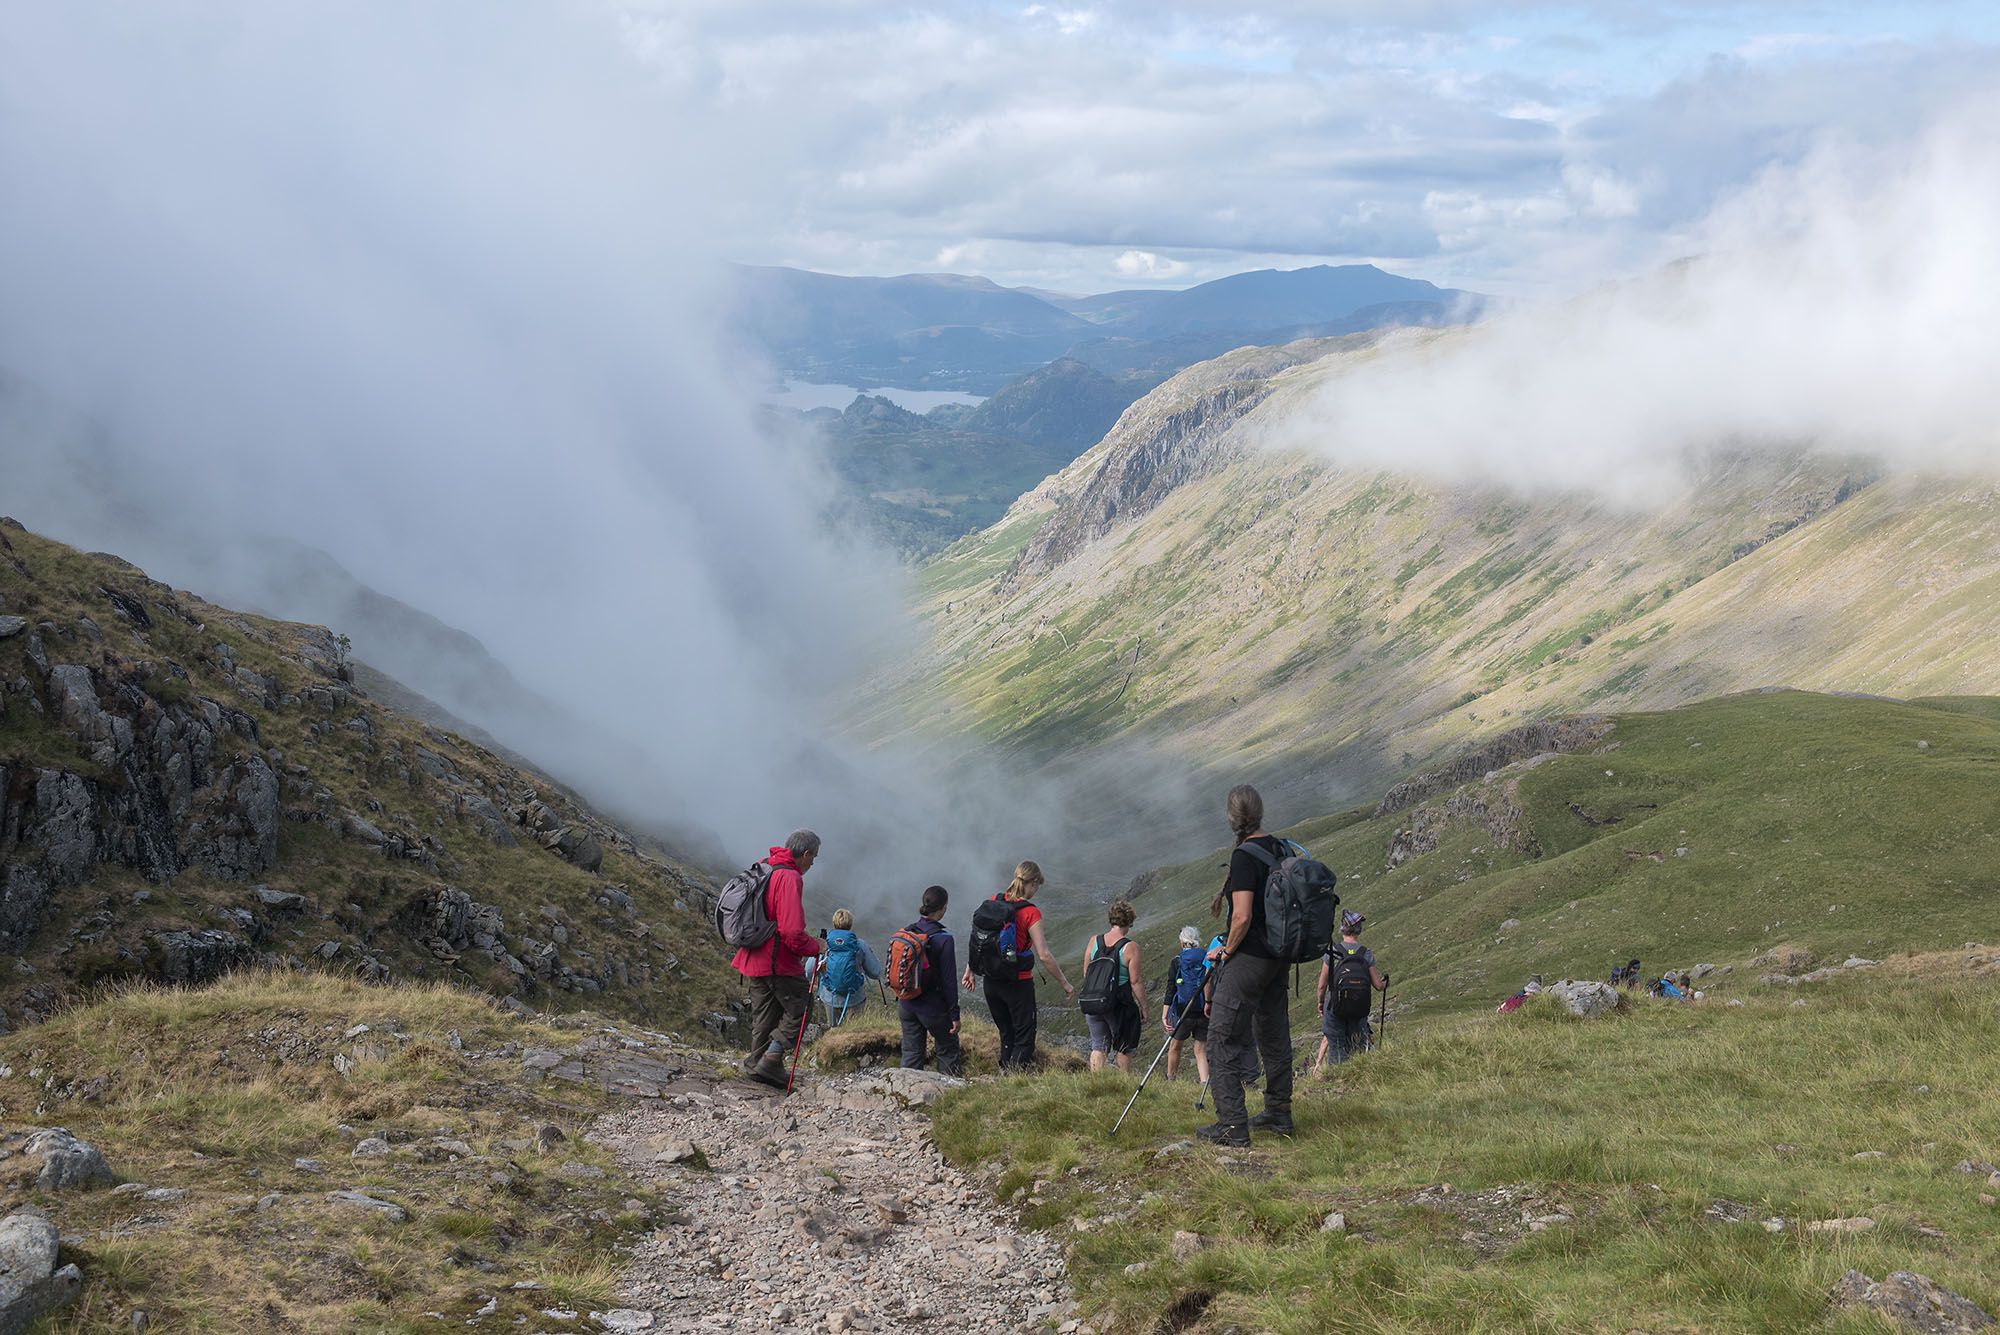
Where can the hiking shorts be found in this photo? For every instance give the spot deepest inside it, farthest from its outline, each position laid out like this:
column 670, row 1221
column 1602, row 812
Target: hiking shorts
column 1334, row 1028
column 1117, row 1032
column 1193, row 1029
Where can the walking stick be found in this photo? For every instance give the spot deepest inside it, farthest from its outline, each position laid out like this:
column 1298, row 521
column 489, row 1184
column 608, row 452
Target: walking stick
column 1199, row 1103
column 811, row 971
column 1382, row 1020
column 1171, row 1036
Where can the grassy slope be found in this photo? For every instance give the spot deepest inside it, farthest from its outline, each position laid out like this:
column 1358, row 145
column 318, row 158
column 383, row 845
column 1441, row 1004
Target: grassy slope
column 354, row 895
column 219, row 1090
column 1317, row 621
column 1634, row 1126
column 1807, row 819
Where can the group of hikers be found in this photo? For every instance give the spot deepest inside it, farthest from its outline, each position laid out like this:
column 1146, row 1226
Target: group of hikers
column 1225, row 997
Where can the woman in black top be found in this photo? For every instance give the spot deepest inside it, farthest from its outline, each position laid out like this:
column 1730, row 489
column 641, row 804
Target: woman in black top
column 1249, row 1003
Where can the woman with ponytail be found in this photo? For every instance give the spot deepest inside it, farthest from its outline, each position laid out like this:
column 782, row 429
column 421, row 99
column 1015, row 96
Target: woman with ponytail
column 1006, row 945
column 1248, row 1002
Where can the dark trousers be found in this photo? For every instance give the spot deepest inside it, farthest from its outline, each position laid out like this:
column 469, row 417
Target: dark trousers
column 1249, row 1007
column 1013, row 1005
column 777, row 1005
column 919, row 1025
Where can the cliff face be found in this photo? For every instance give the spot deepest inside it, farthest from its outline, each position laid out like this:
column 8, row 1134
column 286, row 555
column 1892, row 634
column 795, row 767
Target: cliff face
column 1172, row 437
column 184, row 790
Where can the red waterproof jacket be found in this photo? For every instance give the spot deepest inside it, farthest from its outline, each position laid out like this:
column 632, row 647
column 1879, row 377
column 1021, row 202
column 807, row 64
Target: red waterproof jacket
column 784, row 899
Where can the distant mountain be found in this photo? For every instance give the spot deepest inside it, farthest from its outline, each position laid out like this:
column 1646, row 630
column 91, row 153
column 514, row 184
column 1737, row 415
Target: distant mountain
column 921, row 480
column 1269, row 299
column 1065, row 404
column 939, row 331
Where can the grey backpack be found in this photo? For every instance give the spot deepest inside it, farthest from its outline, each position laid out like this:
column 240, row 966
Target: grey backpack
column 741, row 915
column 1299, row 903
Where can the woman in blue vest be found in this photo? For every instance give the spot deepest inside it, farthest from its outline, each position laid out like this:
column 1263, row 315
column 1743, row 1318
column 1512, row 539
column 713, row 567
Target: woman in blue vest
column 844, row 975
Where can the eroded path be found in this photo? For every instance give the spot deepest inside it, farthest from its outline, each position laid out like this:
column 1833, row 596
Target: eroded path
column 829, row 1210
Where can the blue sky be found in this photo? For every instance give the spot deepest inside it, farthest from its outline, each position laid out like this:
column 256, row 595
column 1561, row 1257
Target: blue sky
column 1093, row 144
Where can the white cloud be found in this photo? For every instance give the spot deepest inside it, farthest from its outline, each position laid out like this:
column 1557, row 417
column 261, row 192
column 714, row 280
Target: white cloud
column 1145, row 264
column 1844, row 302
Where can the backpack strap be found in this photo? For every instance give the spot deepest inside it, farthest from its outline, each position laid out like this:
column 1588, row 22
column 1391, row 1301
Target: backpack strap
column 1262, row 854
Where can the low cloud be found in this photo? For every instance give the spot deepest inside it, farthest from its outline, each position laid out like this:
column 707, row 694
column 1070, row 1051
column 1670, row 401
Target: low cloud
column 434, row 292
column 1845, row 302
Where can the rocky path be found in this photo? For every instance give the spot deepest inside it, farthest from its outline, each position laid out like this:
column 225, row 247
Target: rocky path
column 829, row 1210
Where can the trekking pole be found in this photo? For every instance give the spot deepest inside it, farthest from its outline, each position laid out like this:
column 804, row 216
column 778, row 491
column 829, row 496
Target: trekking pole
column 1171, row 1036
column 1382, row 1020
column 1200, row 1099
column 804, row 1015
column 1143, row 1079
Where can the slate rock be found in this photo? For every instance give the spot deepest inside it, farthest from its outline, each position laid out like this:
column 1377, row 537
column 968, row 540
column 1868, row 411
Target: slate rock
column 287, row 900
column 31, row 1286
column 1586, row 1000
column 388, row 1210
column 1911, row 1301
column 11, row 626
column 66, row 1162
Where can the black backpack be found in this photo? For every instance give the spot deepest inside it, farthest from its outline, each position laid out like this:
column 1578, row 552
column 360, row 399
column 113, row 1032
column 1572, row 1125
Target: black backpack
column 1099, row 993
column 1299, row 903
column 1347, row 992
column 986, row 954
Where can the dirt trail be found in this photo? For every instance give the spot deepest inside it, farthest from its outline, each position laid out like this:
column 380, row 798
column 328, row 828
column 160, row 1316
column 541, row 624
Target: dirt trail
column 829, row 1210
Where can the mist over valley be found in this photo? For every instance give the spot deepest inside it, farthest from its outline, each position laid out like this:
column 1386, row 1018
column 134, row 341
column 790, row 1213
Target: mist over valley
column 473, row 480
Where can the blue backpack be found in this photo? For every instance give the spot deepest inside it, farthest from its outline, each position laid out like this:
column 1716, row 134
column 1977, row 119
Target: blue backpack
column 843, row 963
column 1193, row 969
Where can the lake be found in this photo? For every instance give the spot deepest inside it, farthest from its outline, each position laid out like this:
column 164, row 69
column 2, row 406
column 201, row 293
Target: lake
column 804, row 395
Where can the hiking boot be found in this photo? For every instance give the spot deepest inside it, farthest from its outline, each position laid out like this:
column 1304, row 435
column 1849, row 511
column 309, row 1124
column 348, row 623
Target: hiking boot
column 1277, row 1123
column 750, row 1063
column 770, row 1070
column 1217, row 1133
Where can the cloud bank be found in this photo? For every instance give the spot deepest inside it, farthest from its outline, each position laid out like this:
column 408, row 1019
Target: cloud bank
column 432, row 290
column 1845, row 303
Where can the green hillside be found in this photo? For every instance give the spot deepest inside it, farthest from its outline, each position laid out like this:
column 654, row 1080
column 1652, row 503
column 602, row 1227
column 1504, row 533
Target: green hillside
column 1701, row 835
column 1203, row 583
column 1669, row 1168
column 1658, row 1169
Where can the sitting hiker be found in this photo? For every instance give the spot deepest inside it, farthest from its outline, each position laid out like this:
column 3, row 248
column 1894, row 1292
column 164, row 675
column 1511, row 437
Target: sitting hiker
column 923, row 961
column 1348, row 980
column 1113, row 994
column 1184, row 1008
column 849, row 964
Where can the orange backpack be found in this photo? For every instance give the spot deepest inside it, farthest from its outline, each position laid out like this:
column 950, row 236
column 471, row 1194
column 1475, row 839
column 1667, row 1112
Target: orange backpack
column 909, row 963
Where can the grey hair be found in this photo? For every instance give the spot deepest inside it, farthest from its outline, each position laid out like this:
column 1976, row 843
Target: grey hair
column 800, row 843
column 1190, row 937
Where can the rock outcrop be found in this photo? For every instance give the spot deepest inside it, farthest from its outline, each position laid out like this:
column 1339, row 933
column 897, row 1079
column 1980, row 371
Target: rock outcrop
column 1912, row 1302
column 175, row 786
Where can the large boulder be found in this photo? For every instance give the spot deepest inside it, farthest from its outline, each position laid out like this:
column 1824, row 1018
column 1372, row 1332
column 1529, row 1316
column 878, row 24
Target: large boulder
column 58, row 1161
column 31, row 1286
column 197, row 957
column 1586, row 1000
column 581, row 848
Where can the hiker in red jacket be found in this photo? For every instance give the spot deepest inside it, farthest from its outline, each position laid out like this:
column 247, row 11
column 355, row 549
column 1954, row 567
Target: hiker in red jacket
column 776, row 972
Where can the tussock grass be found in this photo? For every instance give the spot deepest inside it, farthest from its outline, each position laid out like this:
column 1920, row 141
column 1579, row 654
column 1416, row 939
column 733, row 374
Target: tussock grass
column 1635, row 1126
column 222, row 1089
